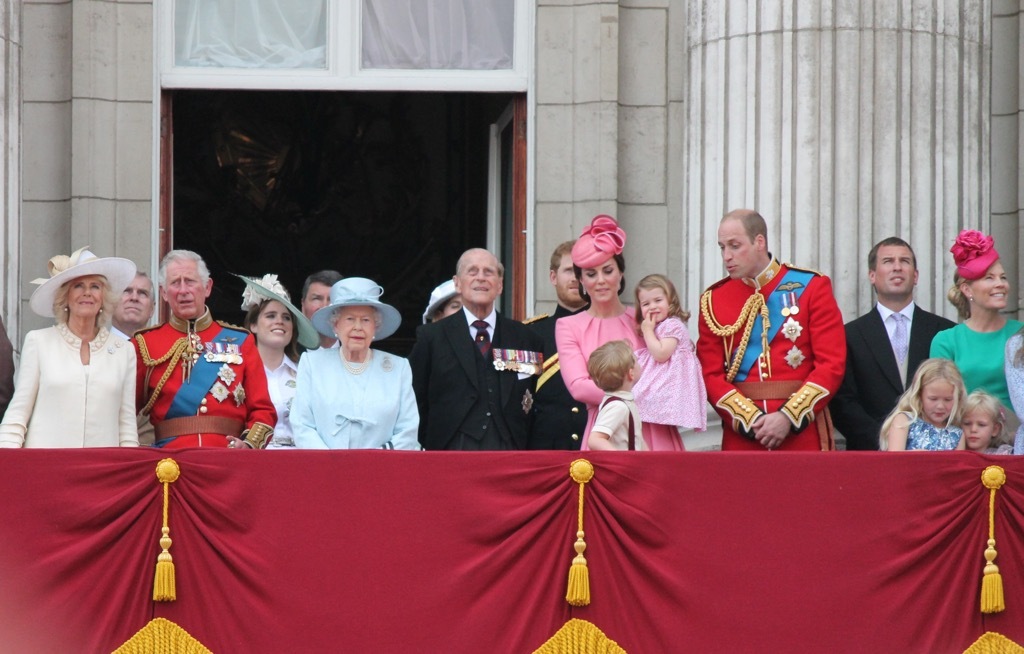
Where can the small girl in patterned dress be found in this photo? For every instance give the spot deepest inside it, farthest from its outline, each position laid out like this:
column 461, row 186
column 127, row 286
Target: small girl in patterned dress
column 928, row 413
column 671, row 389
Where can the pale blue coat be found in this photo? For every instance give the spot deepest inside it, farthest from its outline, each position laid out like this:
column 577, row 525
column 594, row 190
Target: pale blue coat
column 334, row 409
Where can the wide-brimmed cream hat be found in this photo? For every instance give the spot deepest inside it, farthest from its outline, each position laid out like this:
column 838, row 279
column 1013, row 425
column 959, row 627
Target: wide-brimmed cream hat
column 119, row 273
column 439, row 297
column 358, row 292
column 268, row 288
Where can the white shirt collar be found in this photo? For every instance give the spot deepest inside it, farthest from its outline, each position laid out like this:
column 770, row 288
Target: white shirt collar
column 885, row 312
column 491, row 319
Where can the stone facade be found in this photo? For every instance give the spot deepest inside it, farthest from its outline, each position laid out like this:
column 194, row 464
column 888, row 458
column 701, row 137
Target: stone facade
column 86, row 174
column 842, row 121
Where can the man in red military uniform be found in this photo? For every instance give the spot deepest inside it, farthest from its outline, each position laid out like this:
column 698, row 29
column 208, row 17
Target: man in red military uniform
column 200, row 382
column 771, row 344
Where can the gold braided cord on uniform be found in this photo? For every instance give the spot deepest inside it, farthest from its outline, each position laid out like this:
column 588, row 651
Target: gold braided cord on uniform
column 579, row 637
column 161, row 636
column 754, row 305
column 174, row 354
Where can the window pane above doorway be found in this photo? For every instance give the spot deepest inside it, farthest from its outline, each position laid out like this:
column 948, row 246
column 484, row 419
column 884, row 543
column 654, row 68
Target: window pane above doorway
column 262, row 34
column 438, row 34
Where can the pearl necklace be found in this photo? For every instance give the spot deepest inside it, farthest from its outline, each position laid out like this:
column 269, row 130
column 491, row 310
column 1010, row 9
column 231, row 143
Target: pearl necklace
column 356, row 369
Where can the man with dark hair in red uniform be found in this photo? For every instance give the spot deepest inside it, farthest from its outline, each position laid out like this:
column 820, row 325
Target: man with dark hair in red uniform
column 201, row 382
column 771, row 345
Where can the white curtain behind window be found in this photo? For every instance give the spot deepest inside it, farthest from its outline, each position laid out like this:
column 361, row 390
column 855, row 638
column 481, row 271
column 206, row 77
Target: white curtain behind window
column 439, row 34
column 251, row 33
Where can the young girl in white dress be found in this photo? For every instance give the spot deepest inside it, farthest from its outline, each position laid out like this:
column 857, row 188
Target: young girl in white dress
column 927, row 416
column 671, row 389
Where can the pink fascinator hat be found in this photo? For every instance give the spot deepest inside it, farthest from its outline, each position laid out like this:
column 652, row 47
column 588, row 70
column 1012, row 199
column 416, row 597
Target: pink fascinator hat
column 598, row 242
column 973, row 253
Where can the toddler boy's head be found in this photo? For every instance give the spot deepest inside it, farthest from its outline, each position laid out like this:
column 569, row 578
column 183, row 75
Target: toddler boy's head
column 613, row 366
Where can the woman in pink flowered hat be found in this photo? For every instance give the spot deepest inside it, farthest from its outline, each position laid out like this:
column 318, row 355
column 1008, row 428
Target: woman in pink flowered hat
column 980, row 293
column 600, row 269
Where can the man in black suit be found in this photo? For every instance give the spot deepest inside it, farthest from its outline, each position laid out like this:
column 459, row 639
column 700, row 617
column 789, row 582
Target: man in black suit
column 884, row 346
column 474, row 372
column 559, row 420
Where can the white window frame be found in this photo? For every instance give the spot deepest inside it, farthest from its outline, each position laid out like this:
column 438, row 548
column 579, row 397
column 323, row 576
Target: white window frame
column 343, row 71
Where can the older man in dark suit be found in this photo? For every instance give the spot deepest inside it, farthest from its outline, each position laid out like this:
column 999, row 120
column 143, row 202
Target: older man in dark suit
column 884, row 346
column 474, row 372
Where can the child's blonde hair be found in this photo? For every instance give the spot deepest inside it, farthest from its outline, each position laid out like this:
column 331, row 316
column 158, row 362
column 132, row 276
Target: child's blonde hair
column 989, row 405
column 929, row 371
column 655, row 282
column 609, row 364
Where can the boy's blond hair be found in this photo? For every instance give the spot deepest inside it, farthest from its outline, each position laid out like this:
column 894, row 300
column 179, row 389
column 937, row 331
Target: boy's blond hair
column 609, row 364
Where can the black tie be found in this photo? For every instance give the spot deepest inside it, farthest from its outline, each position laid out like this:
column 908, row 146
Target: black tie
column 483, row 341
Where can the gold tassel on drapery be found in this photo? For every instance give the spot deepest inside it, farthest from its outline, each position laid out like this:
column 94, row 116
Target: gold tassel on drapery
column 578, row 593
column 167, row 471
column 993, row 478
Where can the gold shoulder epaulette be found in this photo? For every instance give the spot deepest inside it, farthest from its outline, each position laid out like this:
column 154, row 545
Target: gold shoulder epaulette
column 145, row 329
column 810, row 270
column 230, row 326
column 533, row 319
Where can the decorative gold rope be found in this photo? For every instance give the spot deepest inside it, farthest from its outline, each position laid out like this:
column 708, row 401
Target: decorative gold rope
column 174, row 354
column 754, row 305
column 993, row 477
column 161, row 636
column 578, row 593
column 579, row 637
column 167, row 471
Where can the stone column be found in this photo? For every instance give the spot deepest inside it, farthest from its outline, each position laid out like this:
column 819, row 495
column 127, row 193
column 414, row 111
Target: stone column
column 112, row 154
column 10, row 158
column 842, row 122
column 1007, row 108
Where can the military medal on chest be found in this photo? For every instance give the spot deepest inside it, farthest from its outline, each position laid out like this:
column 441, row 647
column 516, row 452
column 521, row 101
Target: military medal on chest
column 223, row 353
column 523, row 361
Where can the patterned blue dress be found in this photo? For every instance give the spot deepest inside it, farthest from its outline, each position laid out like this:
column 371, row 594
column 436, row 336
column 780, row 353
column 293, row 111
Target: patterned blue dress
column 924, row 436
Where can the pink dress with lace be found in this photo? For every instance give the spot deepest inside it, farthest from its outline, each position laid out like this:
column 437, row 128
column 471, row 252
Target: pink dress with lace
column 672, row 392
column 576, row 337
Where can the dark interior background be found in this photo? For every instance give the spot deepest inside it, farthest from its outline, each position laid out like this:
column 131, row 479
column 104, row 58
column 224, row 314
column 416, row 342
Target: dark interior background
column 390, row 186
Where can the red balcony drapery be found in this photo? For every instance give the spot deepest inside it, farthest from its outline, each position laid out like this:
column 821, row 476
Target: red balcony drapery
column 464, row 552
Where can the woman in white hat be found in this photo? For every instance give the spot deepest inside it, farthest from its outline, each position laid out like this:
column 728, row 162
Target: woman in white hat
column 279, row 328
column 353, row 396
column 444, row 301
column 76, row 383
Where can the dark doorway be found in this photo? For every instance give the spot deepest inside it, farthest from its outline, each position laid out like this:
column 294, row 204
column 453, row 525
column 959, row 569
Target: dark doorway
column 391, row 186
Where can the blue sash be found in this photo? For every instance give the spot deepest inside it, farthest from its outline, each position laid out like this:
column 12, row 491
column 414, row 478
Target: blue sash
column 204, row 373
column 775, row 303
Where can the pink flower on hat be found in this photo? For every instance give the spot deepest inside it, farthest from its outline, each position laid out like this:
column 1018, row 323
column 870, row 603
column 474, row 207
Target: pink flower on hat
column 598, row 242
column 973, row 253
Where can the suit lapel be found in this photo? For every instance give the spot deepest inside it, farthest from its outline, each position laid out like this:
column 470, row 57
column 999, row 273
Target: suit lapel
column 920, row 339
column 457, row 332
column 881, row 348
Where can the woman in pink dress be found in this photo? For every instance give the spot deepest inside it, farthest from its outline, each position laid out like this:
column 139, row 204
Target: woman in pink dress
column 597, row 258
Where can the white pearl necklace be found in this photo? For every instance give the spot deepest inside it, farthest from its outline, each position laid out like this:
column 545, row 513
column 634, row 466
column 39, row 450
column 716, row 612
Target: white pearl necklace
column 359, row 368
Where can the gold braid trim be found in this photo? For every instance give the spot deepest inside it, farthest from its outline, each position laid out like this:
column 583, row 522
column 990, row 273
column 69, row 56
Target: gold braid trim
column 751, row 308
column 174, row 354
column 578, row 636
column 162, row 635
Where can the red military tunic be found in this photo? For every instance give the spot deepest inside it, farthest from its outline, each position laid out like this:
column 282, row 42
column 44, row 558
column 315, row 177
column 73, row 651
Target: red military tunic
column 803, row 366
column 237, row 392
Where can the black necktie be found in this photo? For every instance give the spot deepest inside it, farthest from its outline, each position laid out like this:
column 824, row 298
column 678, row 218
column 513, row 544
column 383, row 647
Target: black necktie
column 483, row 341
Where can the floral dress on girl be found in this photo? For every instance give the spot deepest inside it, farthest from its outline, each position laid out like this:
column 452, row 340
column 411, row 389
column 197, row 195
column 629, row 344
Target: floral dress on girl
column 672, row 392
column 922, row 435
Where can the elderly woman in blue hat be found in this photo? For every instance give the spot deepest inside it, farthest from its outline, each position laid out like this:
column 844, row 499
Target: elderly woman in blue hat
column 279, row 328
column 76, row 384
column 353, row 396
